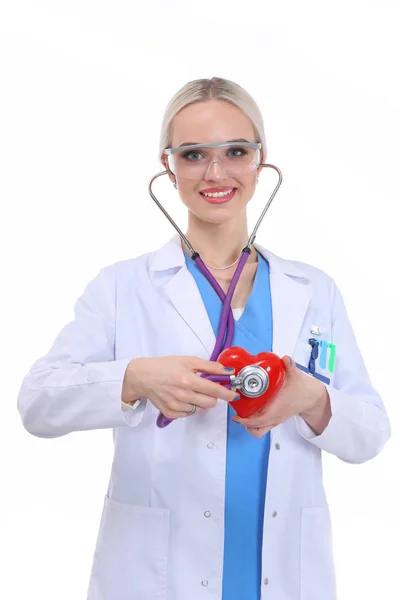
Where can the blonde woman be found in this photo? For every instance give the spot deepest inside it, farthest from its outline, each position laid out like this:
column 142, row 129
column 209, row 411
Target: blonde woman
column 212, row 506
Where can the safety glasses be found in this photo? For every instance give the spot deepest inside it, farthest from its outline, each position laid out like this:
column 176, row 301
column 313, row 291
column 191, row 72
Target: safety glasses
column 199, row 161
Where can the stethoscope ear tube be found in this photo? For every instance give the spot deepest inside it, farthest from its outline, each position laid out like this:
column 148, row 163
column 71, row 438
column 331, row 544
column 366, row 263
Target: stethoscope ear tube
column 256, row 227
column 226, row 326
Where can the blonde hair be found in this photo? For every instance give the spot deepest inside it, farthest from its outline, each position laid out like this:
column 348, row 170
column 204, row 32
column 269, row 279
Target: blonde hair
column 216, row 88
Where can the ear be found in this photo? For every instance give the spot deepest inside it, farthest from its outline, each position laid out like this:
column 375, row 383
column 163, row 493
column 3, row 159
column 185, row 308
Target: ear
column 164, row 161
column 261, row 162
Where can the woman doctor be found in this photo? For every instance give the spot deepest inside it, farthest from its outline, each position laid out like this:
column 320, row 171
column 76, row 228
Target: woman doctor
column 212, row 506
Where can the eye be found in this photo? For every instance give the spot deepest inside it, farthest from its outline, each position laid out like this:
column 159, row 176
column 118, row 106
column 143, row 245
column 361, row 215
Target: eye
column 237, row 152
column 192, row 155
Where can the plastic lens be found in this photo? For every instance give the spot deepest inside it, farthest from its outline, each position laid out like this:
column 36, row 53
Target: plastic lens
column 195, row 162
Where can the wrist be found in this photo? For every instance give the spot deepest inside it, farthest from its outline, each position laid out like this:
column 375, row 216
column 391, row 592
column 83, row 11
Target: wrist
column 319, row 414
column 316, row 394
column 131, row 388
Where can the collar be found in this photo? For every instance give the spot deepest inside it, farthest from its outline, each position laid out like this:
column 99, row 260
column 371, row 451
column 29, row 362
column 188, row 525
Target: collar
column 171, row 256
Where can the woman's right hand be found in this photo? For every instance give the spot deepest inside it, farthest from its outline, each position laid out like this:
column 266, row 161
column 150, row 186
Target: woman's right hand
column 172, row 385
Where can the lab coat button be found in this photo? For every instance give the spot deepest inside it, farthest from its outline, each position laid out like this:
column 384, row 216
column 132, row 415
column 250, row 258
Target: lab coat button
column 274, row 514
column 277, row 446
column 266, row 581
column 207, row 514
column 204, row 583
column 210, row 445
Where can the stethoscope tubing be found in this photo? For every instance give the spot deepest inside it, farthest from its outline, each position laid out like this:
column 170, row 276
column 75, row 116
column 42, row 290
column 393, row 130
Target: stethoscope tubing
column 226, row 326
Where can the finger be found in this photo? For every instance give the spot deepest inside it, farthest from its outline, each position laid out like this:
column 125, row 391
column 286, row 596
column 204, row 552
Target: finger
column 249, row 424
column 259, row 432
column 263, row 416
column 210, row 388
column 207, row 401
column 257, row 424
column 249, row 421
column 289, row 364
column 254, row 422
column 207, row 366
column 199, row 399
column 202, row 400
column 185, row 408
column 187, row 398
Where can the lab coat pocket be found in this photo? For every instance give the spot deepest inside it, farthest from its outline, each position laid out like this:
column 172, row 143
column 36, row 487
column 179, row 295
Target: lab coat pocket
column 302, row 355
column 130, row 560
column 317, row 570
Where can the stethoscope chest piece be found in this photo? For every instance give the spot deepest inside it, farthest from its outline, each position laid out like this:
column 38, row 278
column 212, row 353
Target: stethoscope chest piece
column 257, row 379
column 253, row 381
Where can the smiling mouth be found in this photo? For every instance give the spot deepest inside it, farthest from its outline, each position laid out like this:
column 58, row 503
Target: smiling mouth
column 215, row 196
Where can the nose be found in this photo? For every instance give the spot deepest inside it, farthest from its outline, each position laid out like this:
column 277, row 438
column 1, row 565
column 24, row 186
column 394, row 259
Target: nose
column 215, row 171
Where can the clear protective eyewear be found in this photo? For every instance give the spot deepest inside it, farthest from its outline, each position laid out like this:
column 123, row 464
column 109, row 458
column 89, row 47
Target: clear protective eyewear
column 198, row 161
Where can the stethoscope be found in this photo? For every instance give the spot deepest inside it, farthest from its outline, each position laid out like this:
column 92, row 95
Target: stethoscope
column 251, row 381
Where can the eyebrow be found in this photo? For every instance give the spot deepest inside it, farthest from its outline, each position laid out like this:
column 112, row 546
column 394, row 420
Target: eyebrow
column 228, row 142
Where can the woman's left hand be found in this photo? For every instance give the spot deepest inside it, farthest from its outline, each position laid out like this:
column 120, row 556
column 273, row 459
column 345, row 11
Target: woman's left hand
column 300, row 394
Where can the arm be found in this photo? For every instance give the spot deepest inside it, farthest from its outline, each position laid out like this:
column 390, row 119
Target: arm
column 78, row 384
column 358, row 426
column 319, row 416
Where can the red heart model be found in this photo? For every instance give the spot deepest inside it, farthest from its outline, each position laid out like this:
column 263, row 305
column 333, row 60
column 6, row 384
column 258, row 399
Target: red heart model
column 238, row 358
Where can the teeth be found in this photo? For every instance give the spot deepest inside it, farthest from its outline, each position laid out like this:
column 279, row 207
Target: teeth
column 217, row 194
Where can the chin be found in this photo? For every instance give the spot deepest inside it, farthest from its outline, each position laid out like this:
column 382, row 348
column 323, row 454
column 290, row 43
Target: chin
column 216, row 213
column 213, row 217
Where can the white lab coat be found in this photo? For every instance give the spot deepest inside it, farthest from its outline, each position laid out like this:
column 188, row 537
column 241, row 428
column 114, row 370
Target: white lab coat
column 162, row 528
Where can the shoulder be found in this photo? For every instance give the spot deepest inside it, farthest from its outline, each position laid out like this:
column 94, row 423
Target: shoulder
column 118, row 275
column 126, row 268
column 165, row 259
column 294, row 268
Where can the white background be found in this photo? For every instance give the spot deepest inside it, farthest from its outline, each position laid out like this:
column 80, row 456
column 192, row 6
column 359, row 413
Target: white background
column 84, row 86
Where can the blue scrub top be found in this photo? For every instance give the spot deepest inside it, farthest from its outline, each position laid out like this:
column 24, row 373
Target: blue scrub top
column 247, row 457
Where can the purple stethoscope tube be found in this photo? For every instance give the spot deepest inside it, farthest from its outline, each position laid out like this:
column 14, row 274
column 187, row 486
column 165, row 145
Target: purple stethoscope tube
column 226, row 324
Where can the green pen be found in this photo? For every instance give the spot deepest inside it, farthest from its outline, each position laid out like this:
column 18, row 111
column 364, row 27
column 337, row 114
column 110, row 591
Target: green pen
column 332, row 354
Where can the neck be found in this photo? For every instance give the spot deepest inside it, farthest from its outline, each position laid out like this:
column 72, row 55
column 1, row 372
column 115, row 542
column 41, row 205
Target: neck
column 219, row 245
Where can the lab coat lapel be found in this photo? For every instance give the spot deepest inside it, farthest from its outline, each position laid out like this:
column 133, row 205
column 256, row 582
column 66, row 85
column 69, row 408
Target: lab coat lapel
column 290, row 297
column 183, row 292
